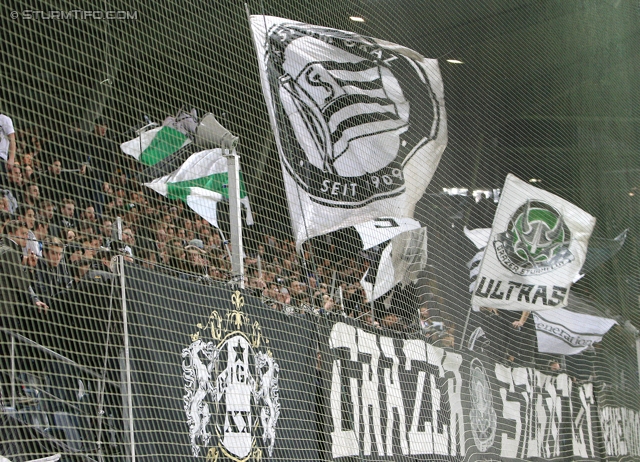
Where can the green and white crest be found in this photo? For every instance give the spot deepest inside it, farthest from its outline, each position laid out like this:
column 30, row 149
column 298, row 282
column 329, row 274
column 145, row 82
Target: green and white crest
column 536, row 241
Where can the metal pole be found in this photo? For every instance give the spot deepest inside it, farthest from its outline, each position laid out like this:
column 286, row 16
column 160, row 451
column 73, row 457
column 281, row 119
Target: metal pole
column 127, row 360
column 235, row 218
column 102, row 383
column 638, row 354
column 225, row 243
column 13, row 372
column 333, row 284
column 259, row 267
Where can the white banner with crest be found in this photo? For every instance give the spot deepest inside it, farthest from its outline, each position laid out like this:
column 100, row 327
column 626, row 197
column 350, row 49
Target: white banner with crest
column 537, row 247
column 359, row 122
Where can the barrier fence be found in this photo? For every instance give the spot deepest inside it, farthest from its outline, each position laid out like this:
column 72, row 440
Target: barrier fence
column 211, row 373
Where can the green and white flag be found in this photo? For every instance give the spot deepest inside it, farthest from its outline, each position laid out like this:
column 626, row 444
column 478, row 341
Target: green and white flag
column 156, row 144
column 201, row 182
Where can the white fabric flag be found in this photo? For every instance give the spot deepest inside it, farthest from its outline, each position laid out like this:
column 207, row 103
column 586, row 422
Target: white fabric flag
column 403, row 254
column 537, row 246
column 359, row 123
column 201, row 182
column 380, row 230
column 567, row 333
column 155, row 145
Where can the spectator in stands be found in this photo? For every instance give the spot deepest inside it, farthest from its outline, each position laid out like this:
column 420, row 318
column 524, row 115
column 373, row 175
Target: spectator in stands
column 41, row 232
column 78, row 270
column 196, row 257
column 27, row 215
column 105, row 232
column 32, row 195
column 15, row 279
column 73, row 252
column 392, row 321
column 89, row 215
column 102, row 151
column 70, row 235
column 15, row 187
column 51, row 275
column 4, row 202
column 90, row 246
column 7, row 144
column 129, row 239
column 67, row 215
column 53, row 183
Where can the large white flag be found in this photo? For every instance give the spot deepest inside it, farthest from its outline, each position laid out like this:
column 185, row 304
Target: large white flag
column 567, row 333
column 537, row 246
column 201, row 182
column 359, row 122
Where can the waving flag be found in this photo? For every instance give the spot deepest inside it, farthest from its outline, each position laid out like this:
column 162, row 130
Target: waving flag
column 537, row 246
column 201, row 182
column 401, row 253
column 567, row 333
column 155, row 145
column 359, row 123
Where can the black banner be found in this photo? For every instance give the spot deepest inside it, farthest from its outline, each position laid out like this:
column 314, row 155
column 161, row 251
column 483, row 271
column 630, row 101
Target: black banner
column 216, row 375
column 387, row 396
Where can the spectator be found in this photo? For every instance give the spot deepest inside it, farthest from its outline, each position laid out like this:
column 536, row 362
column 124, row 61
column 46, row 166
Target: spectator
column 7, row 143
column 15, row 187
column 27, row 215
column 15, row 287
column 105, row 232
column 53, row 183
column 73, row 251
column 393, row 322
column 89, row 215
column 51, row 275
column 102, row 151
column 4, row 202
column 129, row 241
column 78, row 270
column 32, row 195
column 41, row 232
column 67, row 215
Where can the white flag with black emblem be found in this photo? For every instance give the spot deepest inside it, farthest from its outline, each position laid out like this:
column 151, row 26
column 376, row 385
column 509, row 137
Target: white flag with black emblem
column 359, row 122
column 537, row 246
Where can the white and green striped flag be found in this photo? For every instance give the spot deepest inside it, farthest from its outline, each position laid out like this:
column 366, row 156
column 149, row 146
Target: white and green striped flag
column 155, row 145
column 201, row 182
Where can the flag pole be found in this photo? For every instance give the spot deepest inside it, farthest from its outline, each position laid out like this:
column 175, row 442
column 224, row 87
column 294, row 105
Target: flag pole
column 235, row 218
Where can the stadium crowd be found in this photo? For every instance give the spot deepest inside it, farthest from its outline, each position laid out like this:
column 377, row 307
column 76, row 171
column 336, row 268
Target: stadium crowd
column 67, row 192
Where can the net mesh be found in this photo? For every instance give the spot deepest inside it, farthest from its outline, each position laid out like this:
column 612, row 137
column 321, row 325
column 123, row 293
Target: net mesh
column 381, row 310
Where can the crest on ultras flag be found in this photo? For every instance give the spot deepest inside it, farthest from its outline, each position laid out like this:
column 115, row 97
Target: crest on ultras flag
column 359, row 122
column 537, row 247
column 231, row 396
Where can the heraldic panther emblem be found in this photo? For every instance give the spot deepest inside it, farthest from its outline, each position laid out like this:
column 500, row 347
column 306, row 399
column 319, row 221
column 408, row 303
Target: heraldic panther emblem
column 231, row 388
column 350, row 111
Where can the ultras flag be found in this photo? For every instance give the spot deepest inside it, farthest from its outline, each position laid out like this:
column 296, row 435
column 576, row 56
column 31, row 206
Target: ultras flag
column 537, row 246
column 201, row 182
column 359, row 123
